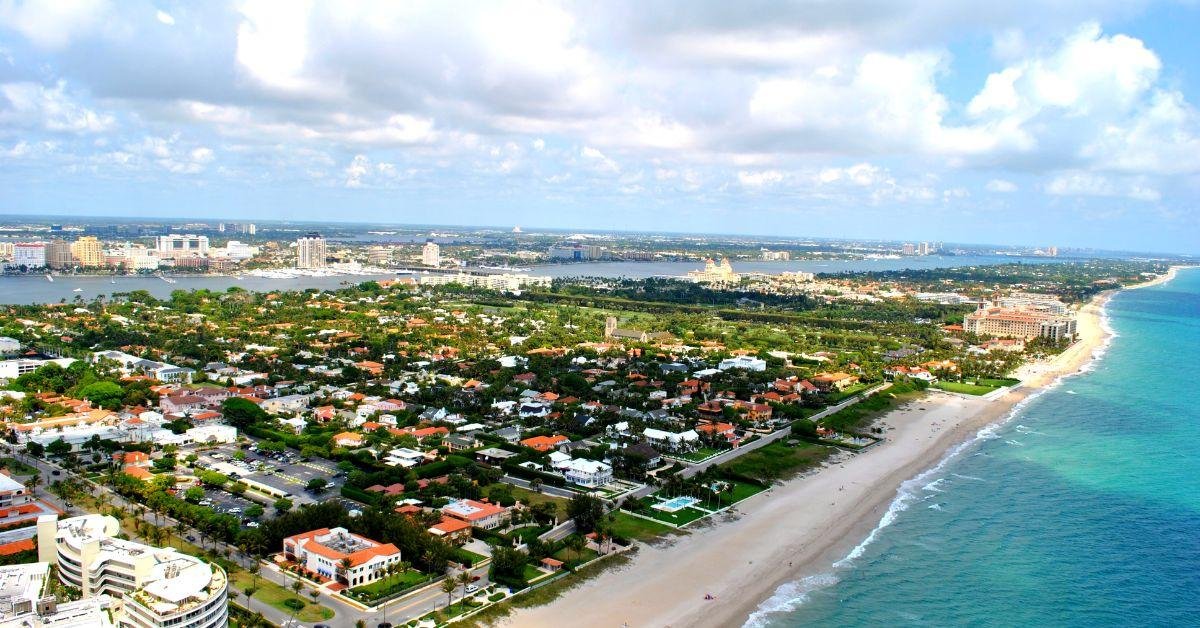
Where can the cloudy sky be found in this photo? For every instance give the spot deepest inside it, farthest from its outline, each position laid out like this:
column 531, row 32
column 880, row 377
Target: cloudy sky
column 1031, row 122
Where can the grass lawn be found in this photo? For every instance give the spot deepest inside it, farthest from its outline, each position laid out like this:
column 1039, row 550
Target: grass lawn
column 529, row 498
column 388, row 585
column 779, row 460
column 582, row 556
column 738, row 491
column 850, row 391
column 698, row 455
column 998, row 381
column 862, row 413
column 964, row 388
column 461, row 555
column 627, row 526
column 17, row 467
column 274, row 595
column 679, row 517
column 533, row 573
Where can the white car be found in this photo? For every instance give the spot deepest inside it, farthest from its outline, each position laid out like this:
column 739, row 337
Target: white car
column 472, row 588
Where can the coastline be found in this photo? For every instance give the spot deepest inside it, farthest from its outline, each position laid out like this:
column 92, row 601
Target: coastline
column 666, row 583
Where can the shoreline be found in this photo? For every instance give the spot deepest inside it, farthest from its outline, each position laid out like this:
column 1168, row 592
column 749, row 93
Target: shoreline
column 815, row 523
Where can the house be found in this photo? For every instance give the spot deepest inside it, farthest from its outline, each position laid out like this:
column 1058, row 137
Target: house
column 680, row 442
column 373, row 368
column 484, row 515
column 348, row 439
column 286, row 403
column 588, row 473
column 451, row 529
column 493, row 455
column 553, row 565
column 545, row 443
column 645, row 452
column 404, row 457
column 510, row 434
column 743, row 362
column 336, row 553
column 132, row 458
column 834, row 381
column 461, row 442
column 911, row 372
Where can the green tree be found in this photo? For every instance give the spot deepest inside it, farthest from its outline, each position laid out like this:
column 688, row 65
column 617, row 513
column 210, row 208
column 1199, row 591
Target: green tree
column 242, row 413
column 586, row 511
column 283, row 504
column 59, row 447
column 107, row 395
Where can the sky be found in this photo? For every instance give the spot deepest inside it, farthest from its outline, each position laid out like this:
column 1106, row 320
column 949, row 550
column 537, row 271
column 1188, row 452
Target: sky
column 1036, row 122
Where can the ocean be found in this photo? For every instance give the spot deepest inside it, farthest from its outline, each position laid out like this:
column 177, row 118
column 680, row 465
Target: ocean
column 1082, row 509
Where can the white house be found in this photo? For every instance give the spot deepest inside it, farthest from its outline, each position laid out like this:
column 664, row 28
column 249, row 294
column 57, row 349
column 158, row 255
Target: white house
column 672, row 441
column 589, row 473
column 743, row 362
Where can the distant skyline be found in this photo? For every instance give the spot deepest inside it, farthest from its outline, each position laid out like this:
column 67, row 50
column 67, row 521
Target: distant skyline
column 1028, row 123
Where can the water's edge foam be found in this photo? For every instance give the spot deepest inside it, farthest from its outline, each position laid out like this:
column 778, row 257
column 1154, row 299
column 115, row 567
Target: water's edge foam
column 791, row 595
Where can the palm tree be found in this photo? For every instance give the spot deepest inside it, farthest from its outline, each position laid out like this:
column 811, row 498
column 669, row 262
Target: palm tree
column 575, row 543
column 345, row 571
column 448, row 587
column 464, row 580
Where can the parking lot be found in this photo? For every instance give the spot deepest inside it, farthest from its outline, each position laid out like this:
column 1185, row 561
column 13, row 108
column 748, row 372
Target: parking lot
column 284, row 471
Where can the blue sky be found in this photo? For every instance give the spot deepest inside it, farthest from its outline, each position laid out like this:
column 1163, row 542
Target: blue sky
column 1048, row 122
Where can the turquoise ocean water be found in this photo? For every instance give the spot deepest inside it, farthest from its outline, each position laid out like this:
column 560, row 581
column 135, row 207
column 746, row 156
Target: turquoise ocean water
column 1082, row 510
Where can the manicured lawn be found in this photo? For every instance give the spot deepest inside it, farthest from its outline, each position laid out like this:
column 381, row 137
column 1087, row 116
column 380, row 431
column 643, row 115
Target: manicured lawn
column 850, row 391
column 778, row 460
column 679, row 517
column 627, row 526
column 533, row 573
column 862, row 413
column 17, row 467
column 388, row 585
column 699, row 454
column 582, row 556
column 964, row 388
column 529, row 498
column 463, row 555
column 998, row 381
column 738, row 491
column 274, row 595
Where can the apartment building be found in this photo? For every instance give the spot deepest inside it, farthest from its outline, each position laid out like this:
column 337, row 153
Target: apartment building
column 310, row 251
column 88, row 252
column 151, row 587
column 1004, row 322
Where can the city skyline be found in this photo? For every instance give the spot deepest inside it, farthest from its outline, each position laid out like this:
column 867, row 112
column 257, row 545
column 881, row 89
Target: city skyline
column 911, row 121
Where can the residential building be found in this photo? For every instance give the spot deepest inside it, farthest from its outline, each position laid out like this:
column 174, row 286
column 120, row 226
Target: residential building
column 674, row 442
column 88, row 251
column 431, row 254
column 588, row 473
column 153, row 587
column 484, row 515
column 176, row 246
column 25, row 602
column 133, row 365
column 12, row 369
column 310, row 251
column 545, row 443
column 336, row 553
column 718, row 273
column 743, row 362
column 834, row 381
column 59, row 255
column 29, row 255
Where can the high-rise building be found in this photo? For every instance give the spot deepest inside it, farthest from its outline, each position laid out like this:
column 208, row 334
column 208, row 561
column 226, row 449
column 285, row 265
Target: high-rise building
column 6, row 250
column 29, row 254
column 1052, row 251
column 251, row 229
column 59, row 254
column 908, row 249
column 310, row 251
column 924, row 249
column 431, row 254
column 176, row 246
column 88, row 252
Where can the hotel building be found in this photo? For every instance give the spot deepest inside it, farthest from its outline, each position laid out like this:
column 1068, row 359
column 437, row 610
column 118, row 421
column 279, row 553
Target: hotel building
column 88, row 251
column 1004, row 322
column 175, row 246
column 151, row 587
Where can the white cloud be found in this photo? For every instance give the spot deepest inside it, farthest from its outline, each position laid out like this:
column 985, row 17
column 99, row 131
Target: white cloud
column 1001, row 186
column 1090, row 184
column 760, row 179
column 599, row 160
column 165, row 18
column 32, row 104
column 53, row 24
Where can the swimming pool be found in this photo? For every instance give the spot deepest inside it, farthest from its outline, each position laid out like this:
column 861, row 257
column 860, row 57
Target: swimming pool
column 676, row 504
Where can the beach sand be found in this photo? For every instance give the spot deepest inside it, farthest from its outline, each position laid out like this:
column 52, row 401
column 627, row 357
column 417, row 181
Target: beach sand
column 802, row 527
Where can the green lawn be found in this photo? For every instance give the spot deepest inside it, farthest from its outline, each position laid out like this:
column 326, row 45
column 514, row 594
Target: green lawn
column 679, row 517
column 836, row 397
column 389, row 585
column 964, row 388
column 862, row 413
column 778, row 460
column 529, row 498
column 274, row 595
column 533, row 573
column 738, row 491
column 997, row 381
column 462, row 555
column 698, row 455
column 627, row 526
column 568, row 555
column 17, row 467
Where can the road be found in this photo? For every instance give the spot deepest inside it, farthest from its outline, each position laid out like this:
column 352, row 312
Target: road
column 547, row 489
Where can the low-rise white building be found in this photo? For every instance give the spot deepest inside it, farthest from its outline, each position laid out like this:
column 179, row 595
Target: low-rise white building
column 588, row 473
column 743, row 362
column 675, row 442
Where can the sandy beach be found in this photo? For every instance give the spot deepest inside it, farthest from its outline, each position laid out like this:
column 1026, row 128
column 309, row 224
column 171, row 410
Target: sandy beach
column 802, row 527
